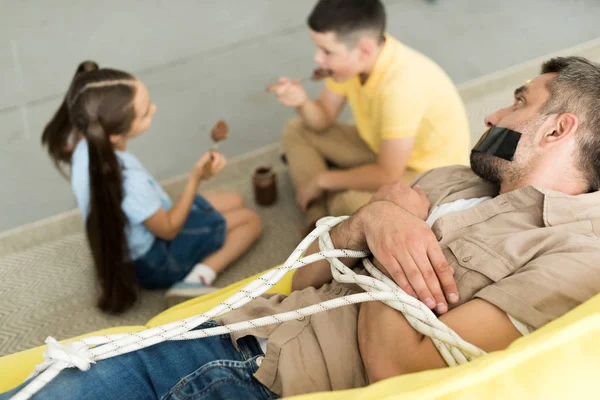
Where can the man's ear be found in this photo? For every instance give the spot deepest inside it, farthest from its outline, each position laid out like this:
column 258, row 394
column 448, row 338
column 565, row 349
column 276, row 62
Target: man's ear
column 562, row 128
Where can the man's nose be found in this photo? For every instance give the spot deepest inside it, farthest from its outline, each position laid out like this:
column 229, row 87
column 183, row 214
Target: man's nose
column 494, row 118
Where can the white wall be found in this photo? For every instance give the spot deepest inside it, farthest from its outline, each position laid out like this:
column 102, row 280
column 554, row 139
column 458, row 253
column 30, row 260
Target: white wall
column 205, row 60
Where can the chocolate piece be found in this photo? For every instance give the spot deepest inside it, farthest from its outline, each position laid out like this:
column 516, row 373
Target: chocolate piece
column 219, row 132
column 320, row 74
column 265, row 186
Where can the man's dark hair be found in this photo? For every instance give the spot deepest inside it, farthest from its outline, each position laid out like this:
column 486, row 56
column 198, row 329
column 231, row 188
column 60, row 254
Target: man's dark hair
column 576, row 89
column 346, row 18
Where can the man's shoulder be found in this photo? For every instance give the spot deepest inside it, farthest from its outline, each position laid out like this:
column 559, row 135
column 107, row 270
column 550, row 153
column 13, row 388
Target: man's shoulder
column 453, row 183
column 450, row 173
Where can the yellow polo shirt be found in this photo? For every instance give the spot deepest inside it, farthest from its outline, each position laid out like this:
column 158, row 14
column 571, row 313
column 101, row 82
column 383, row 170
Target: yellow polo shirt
column 409, row 95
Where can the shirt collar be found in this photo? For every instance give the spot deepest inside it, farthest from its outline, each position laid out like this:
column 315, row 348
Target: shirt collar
column 561, row 208
column 558, row 208
column 384, row 61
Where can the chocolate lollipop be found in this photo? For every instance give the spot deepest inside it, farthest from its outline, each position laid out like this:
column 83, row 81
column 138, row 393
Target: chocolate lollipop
column 218, row 133
column 320, row 74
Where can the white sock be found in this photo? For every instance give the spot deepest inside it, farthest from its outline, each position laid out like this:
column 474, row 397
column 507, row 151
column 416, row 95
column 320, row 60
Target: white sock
column 201, row 274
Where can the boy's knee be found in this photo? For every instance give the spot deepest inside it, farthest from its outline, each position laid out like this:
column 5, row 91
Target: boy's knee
column 348, row 202
column 337, row 204
column 292, row 132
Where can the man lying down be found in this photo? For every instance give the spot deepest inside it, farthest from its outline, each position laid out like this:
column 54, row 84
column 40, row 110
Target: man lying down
column 497, row 251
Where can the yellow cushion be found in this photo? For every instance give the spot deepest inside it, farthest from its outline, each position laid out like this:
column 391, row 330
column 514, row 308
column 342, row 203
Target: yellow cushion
column 15, row 368
column 561, row 360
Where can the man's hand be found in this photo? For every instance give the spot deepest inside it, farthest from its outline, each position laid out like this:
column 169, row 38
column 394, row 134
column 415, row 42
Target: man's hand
column 409, row 251
column 414, row 200
column 308, row 193
column 289, row 92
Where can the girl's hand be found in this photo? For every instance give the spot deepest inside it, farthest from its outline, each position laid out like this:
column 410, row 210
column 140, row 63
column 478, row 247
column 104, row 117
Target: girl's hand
column 208, row 166
column 218, row 162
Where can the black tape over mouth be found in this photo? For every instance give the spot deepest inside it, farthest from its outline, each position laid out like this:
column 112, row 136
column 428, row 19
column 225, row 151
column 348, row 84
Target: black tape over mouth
column 499, row 142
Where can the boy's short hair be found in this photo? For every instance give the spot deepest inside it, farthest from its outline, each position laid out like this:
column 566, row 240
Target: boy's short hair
column 348, row 19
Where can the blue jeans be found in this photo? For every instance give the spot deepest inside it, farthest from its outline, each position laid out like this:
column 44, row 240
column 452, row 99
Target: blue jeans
column 197, row 369
column 170, row 261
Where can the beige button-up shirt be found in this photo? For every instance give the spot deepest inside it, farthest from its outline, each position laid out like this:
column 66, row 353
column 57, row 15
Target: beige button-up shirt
column 533, row 253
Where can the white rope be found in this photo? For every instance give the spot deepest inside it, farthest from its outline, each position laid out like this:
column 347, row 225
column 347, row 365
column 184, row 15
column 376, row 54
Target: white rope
column 84, row 352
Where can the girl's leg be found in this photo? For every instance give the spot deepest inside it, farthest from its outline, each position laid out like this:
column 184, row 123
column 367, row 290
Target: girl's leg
column 243, row 229
column 212, row 250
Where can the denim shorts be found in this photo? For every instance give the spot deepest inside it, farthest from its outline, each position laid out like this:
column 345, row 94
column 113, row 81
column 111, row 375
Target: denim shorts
column 169, row 261
column 198, row 369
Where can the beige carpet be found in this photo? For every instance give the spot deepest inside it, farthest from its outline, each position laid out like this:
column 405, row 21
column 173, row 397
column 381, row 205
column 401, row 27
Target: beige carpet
column 49, row 289
column 47, row 285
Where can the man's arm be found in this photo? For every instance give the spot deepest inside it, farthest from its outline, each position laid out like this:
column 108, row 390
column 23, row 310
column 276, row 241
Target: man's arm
column 413, row 200
column 390, row 166
column 401, row 241
column 319, row 273
column 389, row 346
column 567, row 274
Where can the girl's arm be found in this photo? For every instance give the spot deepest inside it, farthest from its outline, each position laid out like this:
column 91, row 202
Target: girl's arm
column 167, row 224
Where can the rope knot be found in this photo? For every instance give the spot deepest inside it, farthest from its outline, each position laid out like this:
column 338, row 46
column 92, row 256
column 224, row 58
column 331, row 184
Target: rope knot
column 75, row 354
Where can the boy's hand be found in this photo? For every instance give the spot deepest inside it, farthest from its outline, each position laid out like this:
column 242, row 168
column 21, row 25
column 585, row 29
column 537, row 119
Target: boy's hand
column 308, row 193
column 290, row 93
column 208, row 166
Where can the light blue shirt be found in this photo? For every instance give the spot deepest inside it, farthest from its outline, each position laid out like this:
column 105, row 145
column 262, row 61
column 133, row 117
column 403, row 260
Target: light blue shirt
column 143, row 196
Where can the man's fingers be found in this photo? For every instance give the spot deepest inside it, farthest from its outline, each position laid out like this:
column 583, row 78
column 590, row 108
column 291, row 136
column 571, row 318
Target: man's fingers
column 431, row 279
column 415, row 278
column 397, row 274
column 419, row 191
column 444, row 272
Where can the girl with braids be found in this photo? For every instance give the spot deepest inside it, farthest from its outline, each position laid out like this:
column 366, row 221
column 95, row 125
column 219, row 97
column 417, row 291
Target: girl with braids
column 137, row 235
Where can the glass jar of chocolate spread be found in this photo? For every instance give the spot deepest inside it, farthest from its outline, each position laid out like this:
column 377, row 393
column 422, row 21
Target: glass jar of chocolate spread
column 265, row 185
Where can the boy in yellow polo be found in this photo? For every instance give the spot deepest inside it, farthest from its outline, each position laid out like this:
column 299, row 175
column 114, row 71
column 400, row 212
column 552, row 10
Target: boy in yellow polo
column 408, row 115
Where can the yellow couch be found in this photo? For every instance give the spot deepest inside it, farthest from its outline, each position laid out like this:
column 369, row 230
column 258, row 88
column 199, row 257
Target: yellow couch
column 559, row 361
